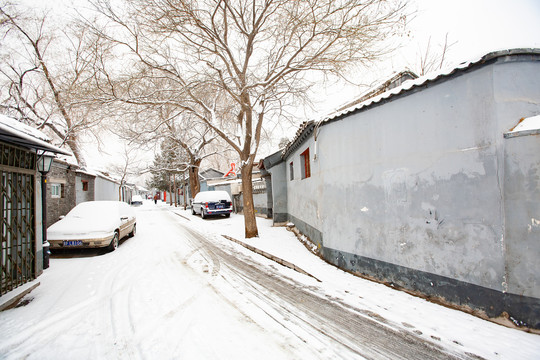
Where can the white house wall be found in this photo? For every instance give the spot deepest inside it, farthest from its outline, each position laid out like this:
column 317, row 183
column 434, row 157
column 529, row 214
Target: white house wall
column 412, row 191
column 106, row 189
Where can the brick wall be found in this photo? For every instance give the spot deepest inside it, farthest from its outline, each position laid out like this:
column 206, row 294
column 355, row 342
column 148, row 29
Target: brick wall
column 62, row 175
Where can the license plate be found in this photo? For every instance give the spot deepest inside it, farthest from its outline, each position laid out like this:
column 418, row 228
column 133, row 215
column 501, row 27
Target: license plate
column 219, row 206
column 73, row 243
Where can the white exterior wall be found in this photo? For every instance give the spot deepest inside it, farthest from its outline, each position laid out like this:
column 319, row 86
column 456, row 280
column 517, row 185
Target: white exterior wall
column 105, row 189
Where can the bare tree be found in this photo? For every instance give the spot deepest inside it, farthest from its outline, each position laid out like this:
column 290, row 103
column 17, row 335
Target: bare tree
column 46, row 75
column 126, row 167
column 192, row 139
column 430, row 60
column 151, row 121
column 250, row 56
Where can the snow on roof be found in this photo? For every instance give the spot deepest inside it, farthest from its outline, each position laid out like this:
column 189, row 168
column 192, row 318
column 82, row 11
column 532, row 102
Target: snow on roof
column 526, row 126
column 215, row 195
column 210, row 173
column 308, row 126
column 68, row 159
column 227, row 182
column 23, row 128
column 16, row 132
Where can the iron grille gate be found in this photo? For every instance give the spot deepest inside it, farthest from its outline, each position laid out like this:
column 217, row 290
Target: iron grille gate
column 17, row 254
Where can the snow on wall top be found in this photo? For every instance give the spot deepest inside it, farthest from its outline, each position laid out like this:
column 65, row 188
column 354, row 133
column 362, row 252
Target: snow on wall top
column 423, row 80
column 532, row 123
column 526, row 126
column 307, row 127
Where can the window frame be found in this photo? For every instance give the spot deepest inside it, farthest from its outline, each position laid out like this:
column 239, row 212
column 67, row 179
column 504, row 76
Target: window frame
column 58, row 193
column 84, row 185
column 306, row 164
column 291, row 171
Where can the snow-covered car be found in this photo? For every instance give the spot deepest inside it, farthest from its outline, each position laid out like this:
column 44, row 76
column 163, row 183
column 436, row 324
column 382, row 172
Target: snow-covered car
column 136, row 200
column 209, row 203
column 93, row 224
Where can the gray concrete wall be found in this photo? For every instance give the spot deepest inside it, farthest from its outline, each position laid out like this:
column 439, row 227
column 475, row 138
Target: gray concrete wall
column 259, row 202
column 416, row 186
column 522, row 209
column 224, row 187
column 419, row 176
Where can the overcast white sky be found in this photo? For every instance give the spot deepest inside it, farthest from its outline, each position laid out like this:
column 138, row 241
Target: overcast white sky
column 478, row 26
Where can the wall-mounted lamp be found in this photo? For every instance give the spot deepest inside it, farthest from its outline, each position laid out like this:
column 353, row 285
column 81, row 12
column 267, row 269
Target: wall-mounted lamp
column 44, row 163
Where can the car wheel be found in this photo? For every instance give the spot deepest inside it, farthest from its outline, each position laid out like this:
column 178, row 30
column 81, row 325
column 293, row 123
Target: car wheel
column 134, row 231
column 227, row 215
column 202, row 214
column 192, row 211
column 114, row 242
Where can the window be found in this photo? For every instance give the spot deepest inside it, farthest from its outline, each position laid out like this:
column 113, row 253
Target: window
column 291, row 171
column 84, row 185
column 306, row 170
column 56, row 191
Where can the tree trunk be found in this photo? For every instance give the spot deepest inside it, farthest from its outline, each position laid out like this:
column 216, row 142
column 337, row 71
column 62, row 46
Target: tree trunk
column 184, row 193
column 170, row 190
column 73, row 143
column 250, row 222
column 194, row 184
column 175, row 191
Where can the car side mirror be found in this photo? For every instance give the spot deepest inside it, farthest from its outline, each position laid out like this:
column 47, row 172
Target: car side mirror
column 124, row 218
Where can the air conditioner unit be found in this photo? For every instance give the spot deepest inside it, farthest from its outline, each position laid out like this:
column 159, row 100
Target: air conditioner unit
column 236, row 188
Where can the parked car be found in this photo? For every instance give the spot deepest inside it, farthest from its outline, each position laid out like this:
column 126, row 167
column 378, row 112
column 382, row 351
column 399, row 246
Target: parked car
column 209, row 203
column 136, row 200
column 93, row 224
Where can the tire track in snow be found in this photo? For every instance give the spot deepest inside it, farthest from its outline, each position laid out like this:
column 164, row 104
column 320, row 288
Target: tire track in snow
column 360, row 332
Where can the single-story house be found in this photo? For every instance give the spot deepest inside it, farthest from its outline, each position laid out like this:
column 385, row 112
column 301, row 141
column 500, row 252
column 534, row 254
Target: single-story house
column 429, row 187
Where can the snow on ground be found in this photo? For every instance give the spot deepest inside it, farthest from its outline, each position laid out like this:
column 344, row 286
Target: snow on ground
column 142, row 301
column 152, row 298
column 451, row 328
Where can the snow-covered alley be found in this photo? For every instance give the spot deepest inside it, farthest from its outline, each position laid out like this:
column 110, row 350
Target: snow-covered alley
column 179, row 290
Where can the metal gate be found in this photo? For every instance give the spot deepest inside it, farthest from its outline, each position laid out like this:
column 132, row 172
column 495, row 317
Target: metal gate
column 17, row 255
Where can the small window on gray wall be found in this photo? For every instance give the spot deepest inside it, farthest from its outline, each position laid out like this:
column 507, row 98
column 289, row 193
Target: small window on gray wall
column 291, row 171
column 304, row 164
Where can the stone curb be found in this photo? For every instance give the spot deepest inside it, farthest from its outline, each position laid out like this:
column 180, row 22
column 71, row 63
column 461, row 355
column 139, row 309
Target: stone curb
column 271, row 257
column 12, row 298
